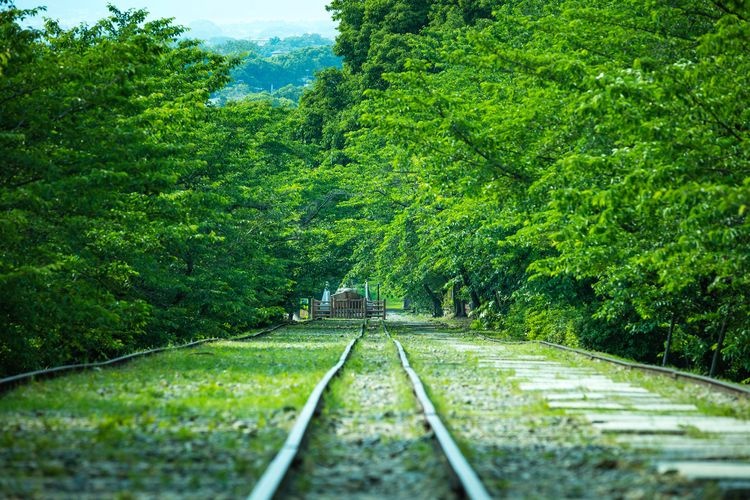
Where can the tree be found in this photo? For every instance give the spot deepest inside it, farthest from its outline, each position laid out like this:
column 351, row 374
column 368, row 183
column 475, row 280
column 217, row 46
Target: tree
column 131, row 212
column 593, row 154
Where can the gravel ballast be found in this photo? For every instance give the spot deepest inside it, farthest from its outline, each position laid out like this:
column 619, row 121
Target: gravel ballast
column 370, row 441
column 502, row 403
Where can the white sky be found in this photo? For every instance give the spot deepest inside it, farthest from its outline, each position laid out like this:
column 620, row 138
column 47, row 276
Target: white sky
column 71, row 12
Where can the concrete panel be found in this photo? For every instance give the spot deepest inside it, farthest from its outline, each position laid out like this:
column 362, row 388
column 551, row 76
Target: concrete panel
column 706, row 470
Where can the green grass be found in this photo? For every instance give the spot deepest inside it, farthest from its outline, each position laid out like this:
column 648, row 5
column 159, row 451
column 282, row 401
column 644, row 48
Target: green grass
column 708, row 401
column 204, row 420
column 436, row 366
column 369, row 413
column 362, row 359
column 502, row 429
column 436, row 377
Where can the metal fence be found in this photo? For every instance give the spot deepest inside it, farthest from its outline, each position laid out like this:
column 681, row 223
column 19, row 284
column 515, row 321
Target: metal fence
column 347, row 308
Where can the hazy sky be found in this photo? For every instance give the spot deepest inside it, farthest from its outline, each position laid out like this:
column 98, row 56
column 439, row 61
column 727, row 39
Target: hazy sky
column 219, row 11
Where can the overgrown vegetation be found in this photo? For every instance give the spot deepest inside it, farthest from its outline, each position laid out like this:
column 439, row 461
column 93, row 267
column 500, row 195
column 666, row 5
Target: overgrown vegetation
column 370, row 432
column 131, row 213
column 204, row 421
column 573, row 171
column 504, row 428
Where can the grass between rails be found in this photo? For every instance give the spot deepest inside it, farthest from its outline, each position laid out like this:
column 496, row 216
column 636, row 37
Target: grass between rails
column 199, row 422
column 370, row 441
column 439, row 365
column 709, row 401
column 503, row 432
column 460, row 388
column 339, row 398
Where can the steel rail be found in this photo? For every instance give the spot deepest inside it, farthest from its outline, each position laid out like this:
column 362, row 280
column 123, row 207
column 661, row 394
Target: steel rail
column 671, row 372
column 470, row 482
column 722, row 385
column 251, row 336
column 22, row 378
column 269, row 483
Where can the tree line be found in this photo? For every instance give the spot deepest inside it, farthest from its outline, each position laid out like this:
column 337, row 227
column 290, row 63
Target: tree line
column 573, row 171
column 279, row 69
column 132, row 213
column 562, row 170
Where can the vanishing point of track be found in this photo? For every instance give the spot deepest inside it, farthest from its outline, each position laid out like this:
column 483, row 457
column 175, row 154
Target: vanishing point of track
column 271, row 481
column 533, row 420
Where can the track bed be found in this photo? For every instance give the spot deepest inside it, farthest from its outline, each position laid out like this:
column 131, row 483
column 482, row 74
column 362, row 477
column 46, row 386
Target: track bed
column 538, row 423
column 370, row 440
column 531, row 421
column 194, row 423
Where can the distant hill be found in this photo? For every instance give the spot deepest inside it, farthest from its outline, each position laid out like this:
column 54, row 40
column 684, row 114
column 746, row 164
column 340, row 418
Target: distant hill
column 276, row 69
column 260, row 30
column 204, row 30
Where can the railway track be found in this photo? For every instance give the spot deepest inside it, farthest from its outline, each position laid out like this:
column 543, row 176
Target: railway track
column 713, row 383
column 471, row 485
column 542, row 422
column 187, row 423
column 345, row 411
column 448, row 476
column 9, row 383
column 271, row 480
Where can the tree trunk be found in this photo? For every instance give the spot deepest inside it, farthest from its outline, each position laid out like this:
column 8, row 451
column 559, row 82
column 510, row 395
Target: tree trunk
column 719, row 346
column 669, row 340
column 475, row 300
column 189, row 265
column 459, row 307
column 437, row 303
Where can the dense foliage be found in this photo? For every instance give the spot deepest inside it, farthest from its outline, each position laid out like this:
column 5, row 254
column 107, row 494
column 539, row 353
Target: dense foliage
column 559, row 169
column 131, row 213
column 576, row 171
